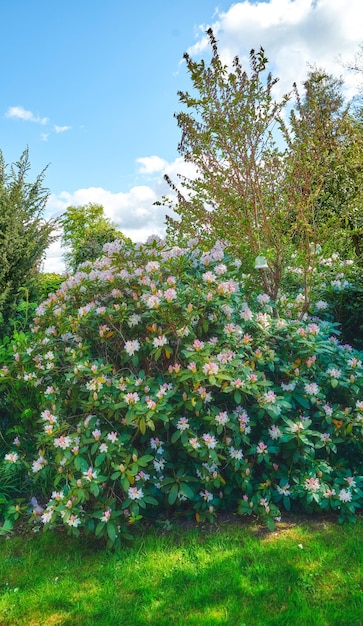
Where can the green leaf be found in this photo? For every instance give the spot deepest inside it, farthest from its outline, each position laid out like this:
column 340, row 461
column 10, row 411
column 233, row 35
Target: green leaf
column 80, row 464
column 111, row 531
column 175, row 436
column 99, row 459
column 173, row 493
column 186, row 491
column 94, row 489
column 304, row 402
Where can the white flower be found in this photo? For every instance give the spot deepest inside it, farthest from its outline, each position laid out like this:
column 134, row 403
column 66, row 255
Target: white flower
column 284, row 490
column 321, row 305
column 160, row 341
column 311, row 389
column 112, row 437
column 132, row 346
column 274, row 432
column 12, row 457
column 47, row 516
column 206, row 495
column 73, row 520
column 236, row 454
column 263, row 298
column 159, row 464
column 334, row 372
column 183, row 424
column 345, row 495
column 134, row 320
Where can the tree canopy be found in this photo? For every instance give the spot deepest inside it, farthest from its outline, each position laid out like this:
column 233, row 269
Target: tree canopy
column 85, row 231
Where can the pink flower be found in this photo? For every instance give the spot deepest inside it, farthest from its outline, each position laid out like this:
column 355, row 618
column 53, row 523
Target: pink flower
column 222, row 418
column 262, row 448
column 227, row 288
column 183, row 424
column 112, row 437
column 135, row 494
column 209, row 277
column 90, row 474
column 47, row 516
column 246, row 314
column 334, row 372
column 63, row 442
column 209, row 440
column 170, row 294
column 210, row 369
column 198, row 345
column 312, row 484
column 131, row 398
column 106, row 516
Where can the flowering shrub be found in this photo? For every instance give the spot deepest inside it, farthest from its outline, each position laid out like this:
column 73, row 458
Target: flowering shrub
column 162, row 388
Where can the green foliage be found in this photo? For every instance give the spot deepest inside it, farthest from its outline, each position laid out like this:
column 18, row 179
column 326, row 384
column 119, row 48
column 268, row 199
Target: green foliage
column 85, row 231
column 164, row 386
column 24, row 233
column 324, row 157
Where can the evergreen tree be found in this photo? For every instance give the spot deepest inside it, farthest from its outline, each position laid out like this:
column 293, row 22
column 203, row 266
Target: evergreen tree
column 24, row 233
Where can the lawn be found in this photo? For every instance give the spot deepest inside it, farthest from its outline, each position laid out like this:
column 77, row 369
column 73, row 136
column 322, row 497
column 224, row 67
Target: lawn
column 306, row 572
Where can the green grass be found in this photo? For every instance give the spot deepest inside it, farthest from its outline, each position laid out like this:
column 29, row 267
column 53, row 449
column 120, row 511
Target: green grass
column 308, row 573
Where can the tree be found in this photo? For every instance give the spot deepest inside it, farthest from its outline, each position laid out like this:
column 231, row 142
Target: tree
column 258, row 182
column 85, row 232
column 24, row 233
column 325, row 145
column 228, row 134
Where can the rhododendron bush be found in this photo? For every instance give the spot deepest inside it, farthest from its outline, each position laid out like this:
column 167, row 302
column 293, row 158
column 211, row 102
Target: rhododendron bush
column 164, row 387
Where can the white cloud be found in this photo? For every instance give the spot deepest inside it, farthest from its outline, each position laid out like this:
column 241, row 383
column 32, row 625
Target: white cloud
column 151, row 165
column 61, row 129
column 293, row 33
column 44, row 136
column 133, row 211
column 20, row 113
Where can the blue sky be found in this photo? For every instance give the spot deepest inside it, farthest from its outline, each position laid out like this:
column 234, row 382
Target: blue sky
column 91, row 87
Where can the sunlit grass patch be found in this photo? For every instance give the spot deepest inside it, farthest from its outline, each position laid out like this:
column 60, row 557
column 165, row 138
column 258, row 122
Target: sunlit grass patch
column 227, row 575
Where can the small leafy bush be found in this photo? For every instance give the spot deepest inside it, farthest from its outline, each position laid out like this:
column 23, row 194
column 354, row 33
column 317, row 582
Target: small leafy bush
column 163, row 388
